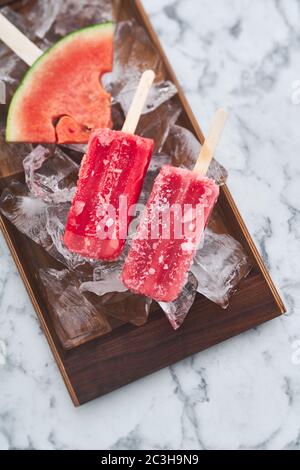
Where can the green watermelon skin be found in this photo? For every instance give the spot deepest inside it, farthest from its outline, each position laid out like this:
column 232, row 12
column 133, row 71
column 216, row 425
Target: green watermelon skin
column 61, row 99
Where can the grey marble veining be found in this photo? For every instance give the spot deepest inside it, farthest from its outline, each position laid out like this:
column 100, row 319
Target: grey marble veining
column 245, row 393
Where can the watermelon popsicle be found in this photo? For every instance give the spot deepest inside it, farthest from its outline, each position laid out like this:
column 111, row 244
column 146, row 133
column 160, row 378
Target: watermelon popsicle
column 172, row 225
column 110, row 181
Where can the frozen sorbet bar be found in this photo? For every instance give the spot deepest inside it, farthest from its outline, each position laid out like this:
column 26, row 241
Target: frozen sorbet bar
column 169, row 234
column 110, row 181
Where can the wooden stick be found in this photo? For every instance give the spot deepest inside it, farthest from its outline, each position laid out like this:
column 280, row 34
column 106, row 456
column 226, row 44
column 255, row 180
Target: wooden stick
column 210, row 145
column 18, row 42
column 138, row 102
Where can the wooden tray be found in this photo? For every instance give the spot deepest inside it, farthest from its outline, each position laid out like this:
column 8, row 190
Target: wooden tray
column 129, row 353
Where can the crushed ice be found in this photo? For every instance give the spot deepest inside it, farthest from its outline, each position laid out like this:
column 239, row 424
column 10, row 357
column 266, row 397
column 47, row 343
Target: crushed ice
column 39, row 209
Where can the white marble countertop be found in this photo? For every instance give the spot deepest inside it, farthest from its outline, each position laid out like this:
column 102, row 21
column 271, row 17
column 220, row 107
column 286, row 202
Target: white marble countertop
column 242, row 394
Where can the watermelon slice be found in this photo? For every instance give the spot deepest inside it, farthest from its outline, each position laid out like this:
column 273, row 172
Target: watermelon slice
column 61, row 98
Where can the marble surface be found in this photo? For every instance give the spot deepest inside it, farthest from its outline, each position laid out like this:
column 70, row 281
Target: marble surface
column 245, row 393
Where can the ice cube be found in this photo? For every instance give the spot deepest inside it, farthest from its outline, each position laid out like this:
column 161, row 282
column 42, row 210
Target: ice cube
column 184, row 149
column 26, row 213
column 12, row 69
column 159, row 94
column 106, row 280
column 113, row 295
column 79, row 149
column 135, row 53
column 107, row 277
column 56, row 216
column 219, row 266
column 74, row 317
column 178, row 310
column 217, row 172
column 41, row 222
column 43, row 14
column 50, row 174
column 126, row 307
column 107, row 285
column 157, row 124
column 77, row 14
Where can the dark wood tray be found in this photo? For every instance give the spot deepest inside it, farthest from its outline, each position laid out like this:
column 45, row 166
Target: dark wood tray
column 129, row 353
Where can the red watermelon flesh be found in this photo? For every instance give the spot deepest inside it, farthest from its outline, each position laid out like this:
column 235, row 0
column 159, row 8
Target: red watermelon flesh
column 61, row 98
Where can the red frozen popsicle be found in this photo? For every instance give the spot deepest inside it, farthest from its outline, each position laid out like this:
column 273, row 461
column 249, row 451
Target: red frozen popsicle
column 110, row 181
column 172, row 225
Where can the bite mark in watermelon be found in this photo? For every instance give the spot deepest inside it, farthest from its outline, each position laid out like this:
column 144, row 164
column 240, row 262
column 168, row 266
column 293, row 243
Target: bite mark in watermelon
column 61, row 98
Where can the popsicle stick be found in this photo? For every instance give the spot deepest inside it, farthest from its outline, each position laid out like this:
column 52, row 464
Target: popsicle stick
column 18, row 42
column 211, row 143
column 138, row 102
